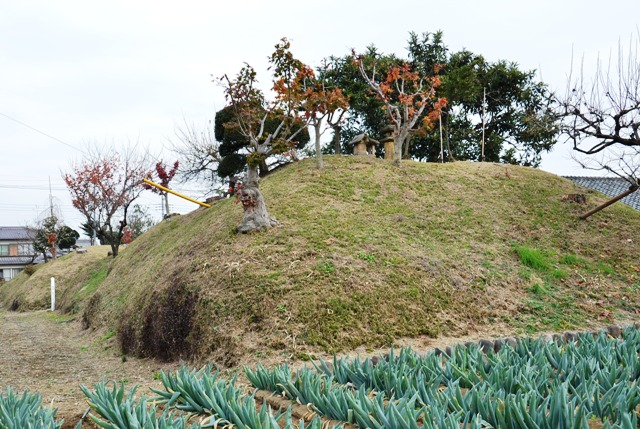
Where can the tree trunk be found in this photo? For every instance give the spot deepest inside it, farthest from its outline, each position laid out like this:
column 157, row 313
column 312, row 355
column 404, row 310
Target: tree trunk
column 316, row 128
column 256, row 217
column 165, row 196
column 337, row 147
column 405, row 145
column 400, row 137
column 264, row 168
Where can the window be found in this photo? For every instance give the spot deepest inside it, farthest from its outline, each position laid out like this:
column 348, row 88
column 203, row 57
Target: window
column 25, row 249
column 4, row 250
column 7, row 274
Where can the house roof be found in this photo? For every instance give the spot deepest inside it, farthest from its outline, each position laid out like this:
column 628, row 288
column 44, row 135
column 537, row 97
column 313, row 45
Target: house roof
column 14, row 260
column 14, row 233
column 610, row 186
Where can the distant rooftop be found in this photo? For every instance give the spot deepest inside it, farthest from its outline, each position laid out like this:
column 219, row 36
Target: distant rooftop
column 14, row 233
column 15, row 260
column 610, row 186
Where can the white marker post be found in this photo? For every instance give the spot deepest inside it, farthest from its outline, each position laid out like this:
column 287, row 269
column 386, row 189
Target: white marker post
column 53, row 293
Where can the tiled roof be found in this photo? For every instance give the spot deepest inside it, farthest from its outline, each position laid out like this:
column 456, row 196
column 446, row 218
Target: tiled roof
column 14, row 260
column 610, row 186
column 14, row 233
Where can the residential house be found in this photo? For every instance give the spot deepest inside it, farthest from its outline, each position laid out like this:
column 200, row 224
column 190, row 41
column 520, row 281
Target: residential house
column 609, row 186
column 16, row 250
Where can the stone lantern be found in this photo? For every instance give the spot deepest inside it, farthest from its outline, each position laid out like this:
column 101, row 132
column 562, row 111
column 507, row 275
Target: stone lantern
column 389, row 142
column 364, row 145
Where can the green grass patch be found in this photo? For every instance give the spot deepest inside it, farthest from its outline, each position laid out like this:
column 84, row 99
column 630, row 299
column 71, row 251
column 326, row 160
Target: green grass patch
column 558, row 274
column 532, row 258
column 326, row 267
column 107, row 336
column 366, row 257
column 605, row 268
column 96, row 279
column 550, row 311
column 571, row 259
column 538, row 289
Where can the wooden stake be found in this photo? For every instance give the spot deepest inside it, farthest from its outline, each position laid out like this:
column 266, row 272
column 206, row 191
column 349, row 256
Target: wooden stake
column 631, row 190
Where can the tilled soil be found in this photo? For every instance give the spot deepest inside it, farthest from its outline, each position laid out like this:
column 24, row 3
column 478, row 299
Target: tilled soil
column 43, row 352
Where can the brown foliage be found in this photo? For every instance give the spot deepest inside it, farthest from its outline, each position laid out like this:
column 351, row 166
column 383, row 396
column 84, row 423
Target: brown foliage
column 29, row 269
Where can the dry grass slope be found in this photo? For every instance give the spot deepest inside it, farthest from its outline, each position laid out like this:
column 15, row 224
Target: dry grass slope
column 32, row 292
column 368, row 254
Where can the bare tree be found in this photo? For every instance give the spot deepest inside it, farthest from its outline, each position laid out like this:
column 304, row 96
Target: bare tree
column 601, row 118
column 104, row 185
column 604, row 112
column 198, row 152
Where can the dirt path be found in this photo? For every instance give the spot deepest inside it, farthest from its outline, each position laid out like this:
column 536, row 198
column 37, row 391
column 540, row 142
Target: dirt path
column 48, row 353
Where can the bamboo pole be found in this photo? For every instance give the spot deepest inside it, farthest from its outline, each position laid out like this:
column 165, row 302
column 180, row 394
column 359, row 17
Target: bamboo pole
column 162, row 188
column 631, row 190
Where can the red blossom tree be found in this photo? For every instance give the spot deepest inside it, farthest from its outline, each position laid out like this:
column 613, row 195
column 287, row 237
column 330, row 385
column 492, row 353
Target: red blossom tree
column 162, row 177
column 409, row 99
column 102, row 188
column 127, row 235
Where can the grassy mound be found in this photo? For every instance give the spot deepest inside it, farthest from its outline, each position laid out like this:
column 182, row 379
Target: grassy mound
column 368, row 253
column 77, row 278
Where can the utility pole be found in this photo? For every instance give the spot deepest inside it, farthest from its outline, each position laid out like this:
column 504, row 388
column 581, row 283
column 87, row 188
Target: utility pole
column 484, row 102
column 50, row 199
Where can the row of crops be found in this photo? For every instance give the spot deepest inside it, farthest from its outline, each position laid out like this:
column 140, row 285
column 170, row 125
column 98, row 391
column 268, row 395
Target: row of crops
column 588, row 383
column 536, row 384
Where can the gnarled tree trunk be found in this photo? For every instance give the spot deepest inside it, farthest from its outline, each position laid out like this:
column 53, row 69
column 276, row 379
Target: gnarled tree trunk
column 256, row 217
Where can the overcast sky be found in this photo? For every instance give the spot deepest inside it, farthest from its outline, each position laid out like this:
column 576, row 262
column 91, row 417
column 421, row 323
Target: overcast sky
column 131, row 71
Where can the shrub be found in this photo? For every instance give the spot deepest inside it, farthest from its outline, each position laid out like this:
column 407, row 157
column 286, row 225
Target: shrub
column 29, row 269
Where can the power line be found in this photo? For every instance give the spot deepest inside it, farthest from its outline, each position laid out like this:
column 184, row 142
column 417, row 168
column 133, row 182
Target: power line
column 41, row 132
column 35, row 188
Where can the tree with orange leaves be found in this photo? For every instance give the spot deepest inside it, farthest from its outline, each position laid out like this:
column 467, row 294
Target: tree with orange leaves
column 252, row 112
column 320, row 100
column 409, row 99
